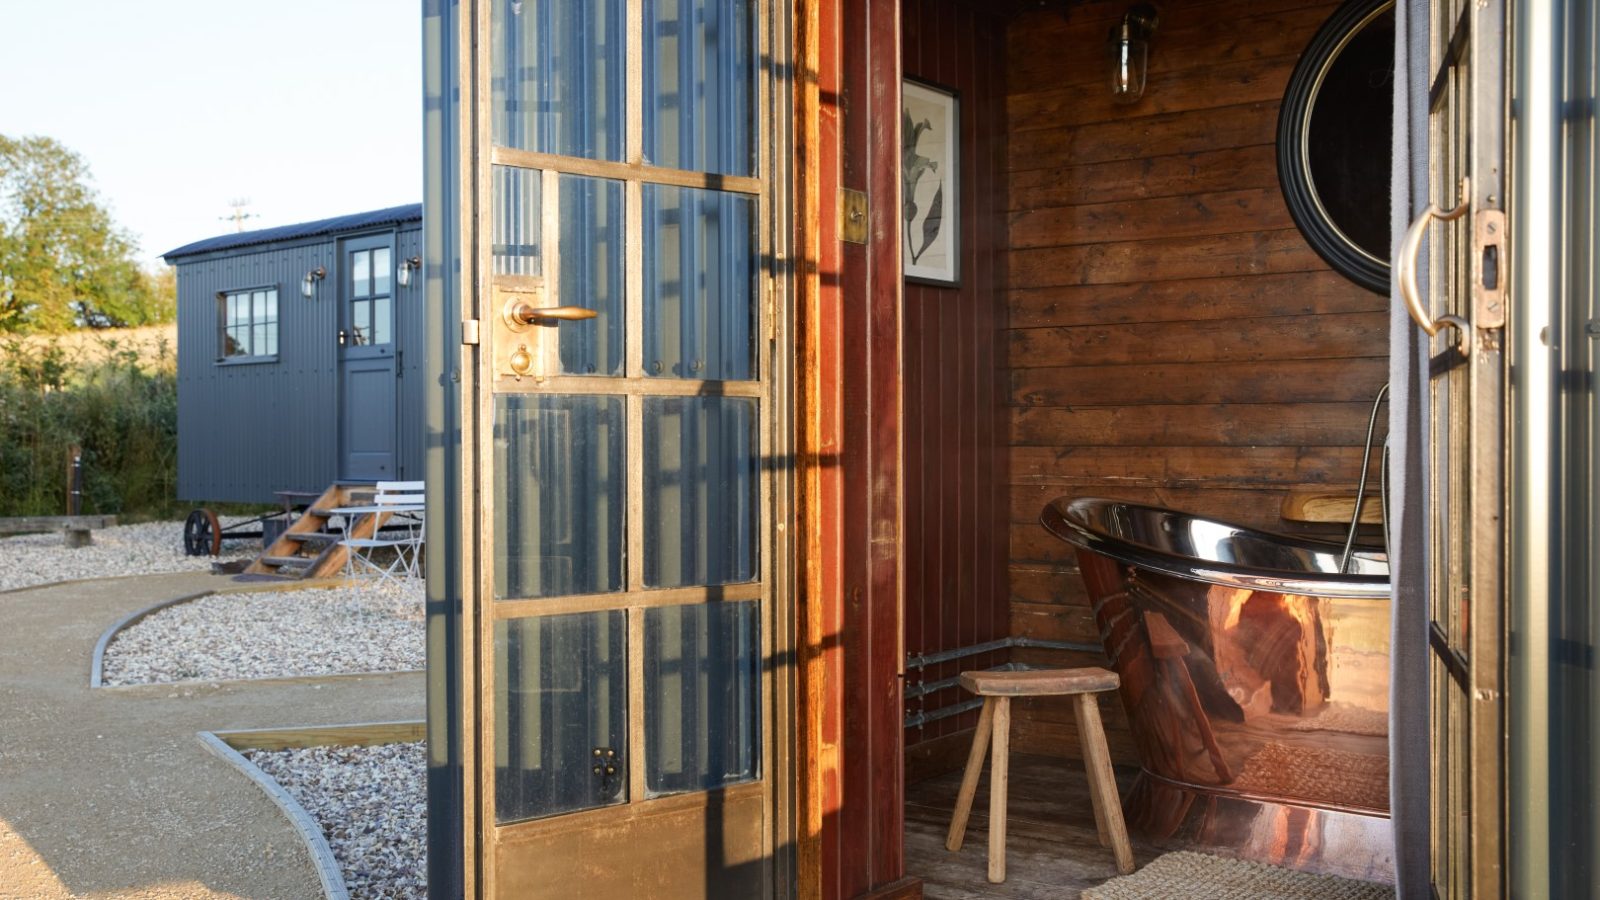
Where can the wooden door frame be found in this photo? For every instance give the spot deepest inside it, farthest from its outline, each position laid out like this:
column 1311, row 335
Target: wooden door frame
column 848, row 509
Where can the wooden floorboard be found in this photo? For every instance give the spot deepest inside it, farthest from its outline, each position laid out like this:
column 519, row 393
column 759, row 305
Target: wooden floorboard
column 1052, row 850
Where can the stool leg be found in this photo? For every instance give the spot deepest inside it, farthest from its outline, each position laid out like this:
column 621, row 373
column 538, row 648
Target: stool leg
column 1102, row 780
column 1095, row 800
column 969, row 778
column 999, row 775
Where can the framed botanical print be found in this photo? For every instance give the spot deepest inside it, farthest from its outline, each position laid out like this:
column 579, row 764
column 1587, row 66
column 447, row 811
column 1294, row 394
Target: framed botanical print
column 930, row 187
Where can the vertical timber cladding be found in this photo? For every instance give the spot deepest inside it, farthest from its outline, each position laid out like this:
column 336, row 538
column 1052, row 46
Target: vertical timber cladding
column 955, row 512
column 1171, row 337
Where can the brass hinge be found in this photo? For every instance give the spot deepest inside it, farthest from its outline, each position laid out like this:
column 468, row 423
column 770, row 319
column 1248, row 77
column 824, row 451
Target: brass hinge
column 853, row 215
column 469, row 332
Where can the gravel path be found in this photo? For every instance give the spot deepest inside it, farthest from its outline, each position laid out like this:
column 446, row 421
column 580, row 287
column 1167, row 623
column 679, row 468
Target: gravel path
column 145, row 549
column 372, row 806
column 272, row 634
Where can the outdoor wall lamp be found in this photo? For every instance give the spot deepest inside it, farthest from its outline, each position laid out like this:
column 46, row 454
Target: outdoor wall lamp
column 1130, row 52
column 308, row 285
column 402, row 276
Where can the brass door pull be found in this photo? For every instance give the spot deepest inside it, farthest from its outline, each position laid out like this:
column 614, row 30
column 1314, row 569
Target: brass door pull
column 520, row 314
column 1406, row 273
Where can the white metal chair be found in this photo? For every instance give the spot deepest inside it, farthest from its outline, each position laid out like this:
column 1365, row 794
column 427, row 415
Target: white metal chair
column 401, row 501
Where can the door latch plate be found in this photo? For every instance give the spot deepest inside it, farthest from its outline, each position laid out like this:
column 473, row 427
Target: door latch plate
column 1490, row 263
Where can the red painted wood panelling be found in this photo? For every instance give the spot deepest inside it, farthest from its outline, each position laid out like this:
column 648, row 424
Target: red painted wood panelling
column 850, row 422
column 955, row 513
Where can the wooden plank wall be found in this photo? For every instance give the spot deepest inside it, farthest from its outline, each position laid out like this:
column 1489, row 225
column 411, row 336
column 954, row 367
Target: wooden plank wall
column 955, row 513
column 1171, row 338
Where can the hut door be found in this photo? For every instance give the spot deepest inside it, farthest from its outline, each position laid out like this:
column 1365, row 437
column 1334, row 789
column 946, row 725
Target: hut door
column 1464, row 307
column 367, row 390
column 626, row 643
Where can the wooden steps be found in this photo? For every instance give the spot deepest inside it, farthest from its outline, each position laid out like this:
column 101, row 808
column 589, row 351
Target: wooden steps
column 309, row 548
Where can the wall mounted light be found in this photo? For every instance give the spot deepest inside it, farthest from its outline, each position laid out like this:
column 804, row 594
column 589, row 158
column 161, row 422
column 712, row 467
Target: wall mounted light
column 402, row 275
column 308, row 285
column 1129, row 44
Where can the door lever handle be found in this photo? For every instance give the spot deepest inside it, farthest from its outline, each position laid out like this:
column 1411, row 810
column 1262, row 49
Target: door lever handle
column 1406, row 274
column 519, row 313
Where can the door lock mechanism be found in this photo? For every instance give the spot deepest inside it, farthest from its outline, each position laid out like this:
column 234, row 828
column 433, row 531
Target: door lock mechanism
column 527, row 339
column 520, row 360
column 343, row 337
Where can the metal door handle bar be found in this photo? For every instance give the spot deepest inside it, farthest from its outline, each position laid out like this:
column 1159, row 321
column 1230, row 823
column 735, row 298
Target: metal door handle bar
column 1406, row 272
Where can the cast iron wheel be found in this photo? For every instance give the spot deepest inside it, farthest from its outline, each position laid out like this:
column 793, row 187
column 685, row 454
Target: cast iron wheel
column 201, row 533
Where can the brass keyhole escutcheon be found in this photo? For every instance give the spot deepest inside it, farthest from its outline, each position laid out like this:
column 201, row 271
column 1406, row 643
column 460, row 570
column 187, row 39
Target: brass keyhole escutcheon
column 521, row 360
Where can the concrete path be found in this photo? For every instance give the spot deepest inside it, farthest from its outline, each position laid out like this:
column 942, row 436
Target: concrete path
column 107, row 792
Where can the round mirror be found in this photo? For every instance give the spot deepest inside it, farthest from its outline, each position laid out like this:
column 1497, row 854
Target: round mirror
column 1334, row 132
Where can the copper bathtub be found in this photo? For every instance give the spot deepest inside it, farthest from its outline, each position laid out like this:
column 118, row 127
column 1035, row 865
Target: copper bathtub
column 1255, row 675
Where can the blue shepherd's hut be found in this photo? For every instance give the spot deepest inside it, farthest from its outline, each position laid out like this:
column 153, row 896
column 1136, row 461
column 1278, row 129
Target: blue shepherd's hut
column 300, row 356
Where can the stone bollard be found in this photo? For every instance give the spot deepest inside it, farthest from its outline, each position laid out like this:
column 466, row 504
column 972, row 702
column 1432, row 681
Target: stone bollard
column 76, row 537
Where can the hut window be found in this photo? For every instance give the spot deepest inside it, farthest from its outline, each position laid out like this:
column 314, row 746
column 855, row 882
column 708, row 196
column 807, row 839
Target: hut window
column 247, row 323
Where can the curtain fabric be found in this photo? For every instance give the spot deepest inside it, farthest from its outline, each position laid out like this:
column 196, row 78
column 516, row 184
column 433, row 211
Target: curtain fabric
column 1409, row 779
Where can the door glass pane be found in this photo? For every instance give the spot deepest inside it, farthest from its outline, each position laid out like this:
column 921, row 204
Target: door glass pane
column 518, row 216
column 699, row 85
column 360, row 316
column 701, row 696
column 381, row 321
column 559, row 494
column 701, row 470
column 699, row 283
column 558, row 76
column 382, row 270
column 560, row 695
column 360, row 274
column 592, row 229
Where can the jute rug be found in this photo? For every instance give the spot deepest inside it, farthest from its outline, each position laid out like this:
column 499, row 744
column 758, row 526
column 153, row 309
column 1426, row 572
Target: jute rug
column 1347, row 719
column 1196, row 876
column 1318, row 774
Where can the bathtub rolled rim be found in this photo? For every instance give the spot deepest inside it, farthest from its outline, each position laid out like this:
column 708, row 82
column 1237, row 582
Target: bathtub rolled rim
column 1067, row 519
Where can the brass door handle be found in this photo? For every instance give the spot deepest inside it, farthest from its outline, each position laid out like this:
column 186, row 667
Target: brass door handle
column 520, row 314
column 1406, row 273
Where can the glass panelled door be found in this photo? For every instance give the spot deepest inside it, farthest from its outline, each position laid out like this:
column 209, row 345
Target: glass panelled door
column 1465, row 312
column 626, row 638
column 368, row 402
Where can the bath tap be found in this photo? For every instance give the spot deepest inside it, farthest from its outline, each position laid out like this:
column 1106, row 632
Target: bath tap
column 1361, row 486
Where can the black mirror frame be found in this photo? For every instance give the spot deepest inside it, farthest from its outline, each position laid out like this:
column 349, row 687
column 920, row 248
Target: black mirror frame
column 1293, row 174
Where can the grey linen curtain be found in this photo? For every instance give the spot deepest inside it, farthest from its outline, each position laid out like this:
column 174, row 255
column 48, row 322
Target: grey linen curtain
column 1408, row 487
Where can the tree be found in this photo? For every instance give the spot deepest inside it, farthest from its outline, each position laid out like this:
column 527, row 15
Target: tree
column 63, row 262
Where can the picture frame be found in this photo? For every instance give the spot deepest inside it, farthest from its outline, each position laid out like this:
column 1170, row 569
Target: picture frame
column 930, row 184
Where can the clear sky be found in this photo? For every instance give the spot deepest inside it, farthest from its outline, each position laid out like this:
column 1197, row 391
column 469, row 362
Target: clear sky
column 307, row 108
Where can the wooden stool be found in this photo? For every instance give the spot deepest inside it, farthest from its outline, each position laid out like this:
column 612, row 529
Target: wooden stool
column 997, row 689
